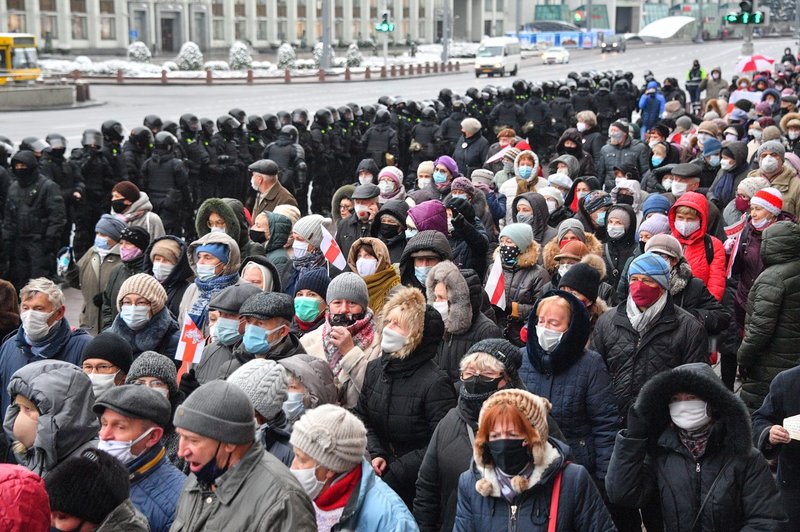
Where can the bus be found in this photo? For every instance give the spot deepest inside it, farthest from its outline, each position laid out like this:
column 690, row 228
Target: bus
column 18, row 58
column 498, row 55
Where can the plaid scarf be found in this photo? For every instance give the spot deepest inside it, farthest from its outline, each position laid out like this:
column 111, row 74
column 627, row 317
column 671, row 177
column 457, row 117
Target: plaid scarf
column 208, row 289
column 362, row 331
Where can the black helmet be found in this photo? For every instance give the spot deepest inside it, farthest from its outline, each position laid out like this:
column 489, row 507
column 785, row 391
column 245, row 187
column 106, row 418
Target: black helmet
column 112, row 131
column 256, row 124
column 170, row 127
column 165, row 141
column 473, row 93
column 537, row 91
column 34, row 144
column 272, row 122
column 264, row 166
column 142, row 137
column 290, row 130
column 189, row 122
column 334, row 113
column 507, row 93
column 323, row 117
column 57, row 141
column 92, row 137
column 388, row 101
column 228, row 125
column 300, row 117
column 563, row 91
column 357, row 112
column 284, row 117
column 25, row 158
column 446, row 96
column 153, row 122
column 604, row 83
column 461, row 105
column 429, row 113
column 207, row 126
column 382, row 117
column 584, row 83
column 238, row 114
column 345, row 113
column 573, row 75
column 520, row 87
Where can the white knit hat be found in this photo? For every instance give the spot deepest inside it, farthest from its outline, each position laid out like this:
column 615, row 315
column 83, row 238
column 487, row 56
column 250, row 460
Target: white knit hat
column 264, row 383
column 332, row 436
column 554, row 194
column 559, row 179
column 769, row 198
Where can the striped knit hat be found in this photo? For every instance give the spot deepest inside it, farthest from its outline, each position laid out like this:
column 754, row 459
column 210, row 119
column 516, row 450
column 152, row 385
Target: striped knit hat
column 652, row 266
column 770, row 199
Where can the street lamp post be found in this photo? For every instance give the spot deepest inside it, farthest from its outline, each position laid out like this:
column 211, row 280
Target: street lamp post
column 325, row 60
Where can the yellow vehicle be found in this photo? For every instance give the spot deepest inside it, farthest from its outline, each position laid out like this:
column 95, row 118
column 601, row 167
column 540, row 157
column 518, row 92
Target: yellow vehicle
column 18, row 59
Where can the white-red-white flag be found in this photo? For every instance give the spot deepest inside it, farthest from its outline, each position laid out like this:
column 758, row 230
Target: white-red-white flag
column 496, row 286
column 331, row 250
column 499, row 155
column 190, row 346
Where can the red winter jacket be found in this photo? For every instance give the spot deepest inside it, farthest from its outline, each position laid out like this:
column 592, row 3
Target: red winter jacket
column 24, row 504
column 694, row 246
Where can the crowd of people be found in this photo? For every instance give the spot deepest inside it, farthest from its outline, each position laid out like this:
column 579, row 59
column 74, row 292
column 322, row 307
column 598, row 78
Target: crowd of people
column 497, row 310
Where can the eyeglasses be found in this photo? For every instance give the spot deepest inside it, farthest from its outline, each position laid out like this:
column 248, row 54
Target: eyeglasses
column 468, row 374
column 155, row 383
column 219, row 225
column 98, row 368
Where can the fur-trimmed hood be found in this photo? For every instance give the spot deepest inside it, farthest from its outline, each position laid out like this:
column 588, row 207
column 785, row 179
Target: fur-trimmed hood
column 378, row 246
column 552, row 248
column 345, row 191
column 731, row 419
column 554, row 459
column 459, row 316
column 536, row 165
column 679, row 277
column 425, row 325
column 788, row 117
column 225, row 211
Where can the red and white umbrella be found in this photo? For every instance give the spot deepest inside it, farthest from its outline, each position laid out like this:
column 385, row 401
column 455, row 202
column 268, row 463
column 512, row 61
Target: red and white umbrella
column 754, row 63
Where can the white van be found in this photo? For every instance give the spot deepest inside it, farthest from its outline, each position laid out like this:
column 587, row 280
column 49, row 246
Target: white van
column 498, row 55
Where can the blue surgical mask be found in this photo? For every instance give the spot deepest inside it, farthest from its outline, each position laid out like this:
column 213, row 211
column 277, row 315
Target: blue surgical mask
column 525, row 172
column 411, row 233
column 228, row 331
column 656, row 160
column 294, row 406
column 508, row 167
column 255, row 339
column 101, row 242
column 439, row 177
column 206, row 271
column 421, row 273
column 135, row 316
column 462, row 196
column 714, row 161
column 601, row 218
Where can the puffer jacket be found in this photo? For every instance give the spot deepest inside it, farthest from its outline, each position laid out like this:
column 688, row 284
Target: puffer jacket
column 397, row 210
column 280, row 229
column 179, row 278
column 156, row 486
column 772, row 325
column 124, row 517
column 694, row 246
column 424, row 240
column 631, row 151
column 744, row 495
column 580, row 506
column 675, row 338
column 470, row 153
column 24, row 504
column 63, row 394
column 95, row 274
column 405, row 395
column 576, row 382
column 468, row 240
column 464, row 324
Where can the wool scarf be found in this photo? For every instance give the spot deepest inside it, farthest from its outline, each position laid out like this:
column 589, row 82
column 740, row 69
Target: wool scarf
column 362, row 331
column 208, row 289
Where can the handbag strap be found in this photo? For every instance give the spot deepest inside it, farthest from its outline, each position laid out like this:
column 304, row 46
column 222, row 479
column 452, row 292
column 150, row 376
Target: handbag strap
column 710, row 491
column 556, row 495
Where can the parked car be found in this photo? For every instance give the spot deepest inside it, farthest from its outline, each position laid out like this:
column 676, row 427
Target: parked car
column 613, row 44
column 556, row 54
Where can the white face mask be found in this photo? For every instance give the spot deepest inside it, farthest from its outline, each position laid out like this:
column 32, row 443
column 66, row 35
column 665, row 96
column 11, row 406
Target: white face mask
column 206, row 271
column 667, row 184
column 443, row 307
column 217, row 229
column 615, row 231
column 34, row 322
column 762, row 223
column 362, row 212
column 563, row 269
column 687, row 228
column 726, row 164
column 161, row 270
column 678, row 188
column 755, row 133
column 689, row 415
column 769, row 164
column 386, row 187
column 581, row 126
column 551, row 206
column 253, row 184
column 548, row 338
column 366, row 266
column 793, row 134
column 365, row 179
column 423, row 182
column 392, row 341
column 135, row 316
column 121, row 450
column 300, row 249
column 101, row 383
column 308, row 480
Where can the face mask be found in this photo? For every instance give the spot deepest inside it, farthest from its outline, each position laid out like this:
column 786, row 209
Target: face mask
column 366, row 266
column 300, row 249
column 581, row 127
column 601, row 218
column 762, row 223
column 755, row 133
column 253, row 184
column 129, row 254
column 255, row 339
column 308, row 480
column 509, row 254
column 135, row 316
column 101, row 243
column 421, row 273
column 667, row 184
column 524, row 217
column 443, row 307
column 161, row 270
column 644, row 295
column 423, row 182
column 259, row 237
column 702, row 137
column 689, row 415
column 582, row 194
column 687, row 228
column 228, row 331
column 508, row 167
column 769, row 164
column 365, row 179
column 525, row 172
column 118, row 206
column 294, row 407
column 726, row 164
column 551, row 206
column 656, row 160
column 793, row 135
column 388, row 231
column 206, row 271
column 101, row 383
column 411, row 233
column 211, row 471
column 624, row 199
column 563, row 269
column 742, row 204
column 362, row 211
column 731, row 137
column 714, row 161
column 386, row 187
column 212, row 332
column 548, row 339
column 678, row 188
column 462, row 196
column 121, row 450
column 306, row 308
column 392, row 341
column 715, row 75
column 217, row 230
column 34, row 322
column 478, row 386
column 615, row 138
column 439, row 177
column 511, row 456
column 615, row 231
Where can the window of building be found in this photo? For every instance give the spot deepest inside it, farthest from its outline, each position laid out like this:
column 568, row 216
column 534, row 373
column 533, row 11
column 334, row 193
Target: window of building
column 373, row 11
column 107, row 7
column 338, row 9
column 283, row 30
column 261, row 8
column 108, row 28
column 239, row 8
column 356, row 10
column 80, row 30
column 499, row 6
column 16, row 23
column 217, row 8
column 282, row 10
column 49, row 23
column 15, row 5
column 262, row 33
column 240, row 30
column 218, row 29
column 47, row 5
column 301, row 9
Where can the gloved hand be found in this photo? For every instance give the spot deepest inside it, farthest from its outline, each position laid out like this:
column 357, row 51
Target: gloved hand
column 637, row 424
column 98, row 299
column 458, row 219
column 188, row 383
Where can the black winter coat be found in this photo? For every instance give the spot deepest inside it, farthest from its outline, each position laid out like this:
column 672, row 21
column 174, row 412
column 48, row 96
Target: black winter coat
column 507, row 114
column 35, row 212
column 469, row 241
column 470, row 153
column 349, row 230
column 537, row 111
column 289, row 156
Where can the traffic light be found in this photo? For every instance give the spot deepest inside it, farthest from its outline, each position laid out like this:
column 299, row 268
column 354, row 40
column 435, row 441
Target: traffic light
column 385, row 25
column 745, row 17
column 578, row 16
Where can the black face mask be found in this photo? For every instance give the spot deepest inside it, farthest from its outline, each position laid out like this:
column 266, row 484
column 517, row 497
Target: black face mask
column 642, row 245
column 388, row 231
column 624, row 199
column 345, row 320
column 478, row 386
column 509, row 455
column 509, row 254
column 473, row 393
column 25, row 176
column 211, row 471
column 259, row 237
column 118, row 205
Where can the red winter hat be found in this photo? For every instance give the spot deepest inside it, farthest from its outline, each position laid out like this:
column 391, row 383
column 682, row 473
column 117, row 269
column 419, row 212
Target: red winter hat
column 769, row 198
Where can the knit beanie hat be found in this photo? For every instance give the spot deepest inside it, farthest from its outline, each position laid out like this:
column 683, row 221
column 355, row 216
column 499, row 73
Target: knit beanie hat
column 89, row 486
column 750, row 185
column 622, row 126
column 111, row 347
column 449, row 163
column 770, row 199
column 708, row 127
column 481, row 176
column 218, row 410
column 310, row 228
column 771, row 146
column 771, row 132
column 520, row 234
column 620, row 214
column 393, row 173
column 684, row 122
column 501, row 349
column 596, row 200
column 264, row 382
column 462, row 183
column 511, row 154
column 218, row 250
column 583, row 278
column 554, row 194
column 653, row 266
column 471, row 125
column 350, row 287
column 167, row 248
column 711, row 146
column 265, row 305
column 316, row 280
column 127, row 190
column 562, row 180
column 570, row 224
column 665, row 243
column 332, row 436
column 763, row 108
column 425, row 167
column 146, row 286
column 574, row 249
column 110, row 226
column 656, row 224
column 152, row 364
column 655, row 203
column 138, row 236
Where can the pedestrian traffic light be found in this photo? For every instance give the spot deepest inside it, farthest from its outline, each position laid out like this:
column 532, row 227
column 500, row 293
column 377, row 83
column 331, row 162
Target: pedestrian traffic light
column 385, row 25
column 745, row 17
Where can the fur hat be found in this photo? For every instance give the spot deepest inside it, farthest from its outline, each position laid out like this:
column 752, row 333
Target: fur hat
column 411, row 304
column 146, row 286
column 459, row 316
column 709, row 128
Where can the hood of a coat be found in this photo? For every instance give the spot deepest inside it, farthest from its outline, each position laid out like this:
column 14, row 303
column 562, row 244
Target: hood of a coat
column 780, row 243
column 553, row 460
column 434, row 241
column 459, row 316
column 224, row 211
column 141, row 204
column 345, row 191
column 370, row 165
column 280, row 229
column 697, row 202
column 244, row 224
column 181, row 272
column 536, row 165
column 636, row 188
column 573, row 166
column 540, row 213
column 739, row 151
column 429, row 215
column 575, row 136
column 729, row 412
column 24, row 499
column 573, row 341
column 264, row 262
column 591, row 181
column 63, row 394
column 787, row 118
column 425, row 324
column 396, row 209
column 234, row 260
column 315, row 375
column 378, row 247
column 630, row 233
